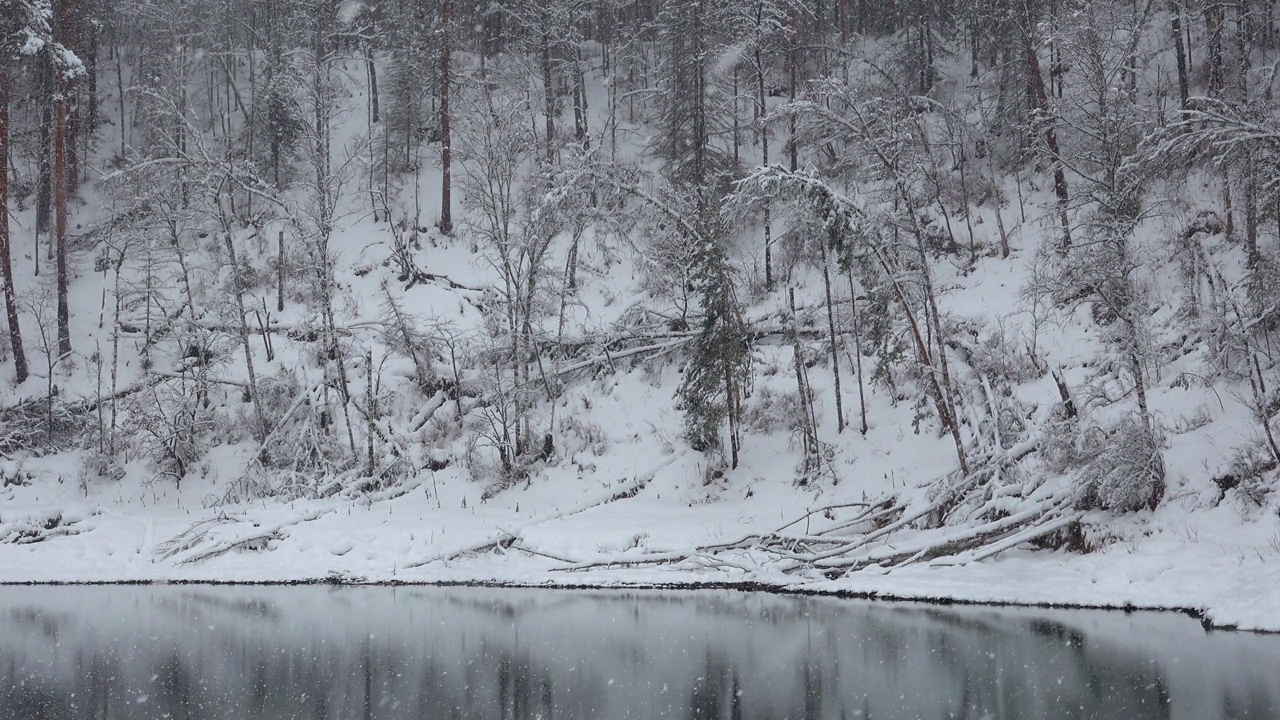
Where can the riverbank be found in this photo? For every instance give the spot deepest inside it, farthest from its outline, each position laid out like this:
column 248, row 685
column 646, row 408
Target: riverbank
column 1208, row 562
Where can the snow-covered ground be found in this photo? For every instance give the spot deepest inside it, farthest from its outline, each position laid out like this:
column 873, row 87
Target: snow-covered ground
column 624, row 485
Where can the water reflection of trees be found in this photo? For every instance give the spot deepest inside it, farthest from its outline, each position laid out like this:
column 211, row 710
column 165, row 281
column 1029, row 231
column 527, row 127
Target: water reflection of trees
column 466, row 656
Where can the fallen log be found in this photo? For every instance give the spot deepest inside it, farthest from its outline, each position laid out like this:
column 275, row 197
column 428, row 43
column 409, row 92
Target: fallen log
column 258, row 534
column 929, row 548
column 507, row 538
column 1035, row 532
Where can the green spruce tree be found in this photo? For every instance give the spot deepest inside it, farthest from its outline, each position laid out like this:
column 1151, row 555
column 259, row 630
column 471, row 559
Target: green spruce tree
column 718, row 375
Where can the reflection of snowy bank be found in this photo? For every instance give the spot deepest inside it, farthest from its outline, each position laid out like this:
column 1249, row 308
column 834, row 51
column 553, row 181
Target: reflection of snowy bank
column 218, row 652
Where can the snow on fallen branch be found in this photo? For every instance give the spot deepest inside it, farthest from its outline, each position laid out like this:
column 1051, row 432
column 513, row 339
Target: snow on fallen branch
column 870, row 537
column 34, row 529
column 509, row 539
column 609, row 358
column 948, row 544
column 1034, row 532
column 199, row 542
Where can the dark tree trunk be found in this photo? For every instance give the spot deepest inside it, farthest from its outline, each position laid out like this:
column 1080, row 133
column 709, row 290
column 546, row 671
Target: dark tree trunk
column 6, row 261
column 792, row 61
column 548, row 90
column 280, row 263
column 761, row 111
column 60, row 219
column 72, row 143
column 1041, row 115
column 857, row 350
column 44, row 190
column 446, row 149
column 71, row 120
column 373, row 83
column 1175, row 26
column 1214, row 19
column 91, row 67
column 579, row 101
column 832, row 338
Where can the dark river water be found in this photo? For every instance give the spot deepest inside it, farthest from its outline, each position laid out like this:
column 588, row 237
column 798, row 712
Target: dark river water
column 351, row 653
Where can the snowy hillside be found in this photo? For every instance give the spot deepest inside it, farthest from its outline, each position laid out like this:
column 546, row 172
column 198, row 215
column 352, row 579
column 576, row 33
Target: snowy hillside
column 719, row 296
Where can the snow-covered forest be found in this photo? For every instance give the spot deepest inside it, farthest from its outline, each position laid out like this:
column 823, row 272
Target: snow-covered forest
column 968, row 298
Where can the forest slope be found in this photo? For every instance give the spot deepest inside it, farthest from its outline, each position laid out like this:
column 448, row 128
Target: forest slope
column 982, row 335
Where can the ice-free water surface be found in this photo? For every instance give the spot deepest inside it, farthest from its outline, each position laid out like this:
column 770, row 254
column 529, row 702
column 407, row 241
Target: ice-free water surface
column 254, row 653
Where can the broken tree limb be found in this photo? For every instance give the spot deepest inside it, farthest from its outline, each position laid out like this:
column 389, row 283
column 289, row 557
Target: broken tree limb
column 1035, row 532
column 963, row 539
column 610, row 358
column 1064, row 392
column 209, row 379
column 507, row 538
column 823, row 509
column 661, row 558
column 259, row 533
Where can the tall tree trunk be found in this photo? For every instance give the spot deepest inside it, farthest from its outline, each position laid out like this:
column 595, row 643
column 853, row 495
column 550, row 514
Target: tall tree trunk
column 60, row 218
column 1139, row 381
column 1214, row 19
column 933, row 317
column 326, row 194
column 280, row 267
column 857, row 350
column 373, row 82
column 701, row 132
column 1251, row 210
column 579, row 100
column 808, row 427
column 1243, row 48
column 6, row 261
column 91, row 91
column 91, row 67
column 370, row 416
column 242, row 326
column 120, row 99
column 1228, row 207
column 1175, row 26
column 252, row 118
column 792, row 60
column 732, row 401
column 995, row 203
column 934, row 388
column 737, row 121
column 975, row 47
column 44, row 188
column 832, row 337
column 844, row 23
column 1042, row 116
column 548, row 91
column 964, row 197
column 761, row 111
column 940, row 374
column 446, row 141
column 67, row 31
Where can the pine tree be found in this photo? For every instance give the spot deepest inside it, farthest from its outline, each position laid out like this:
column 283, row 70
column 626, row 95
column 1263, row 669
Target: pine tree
column 691, row 98
column 718, row 375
